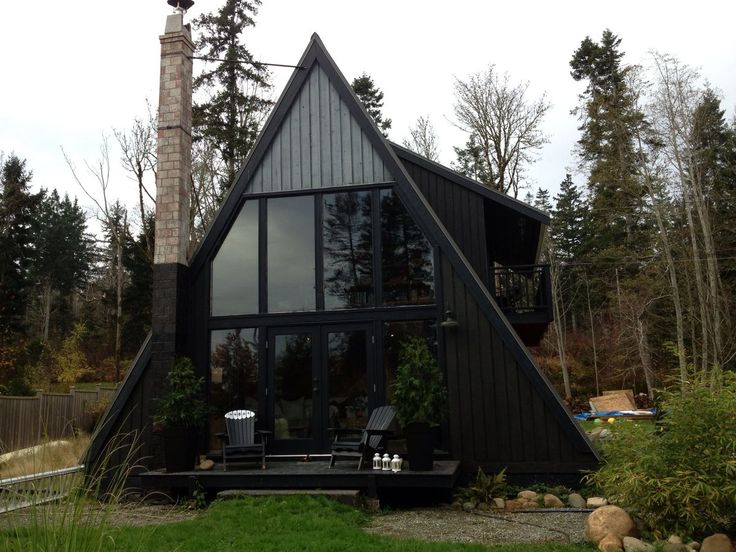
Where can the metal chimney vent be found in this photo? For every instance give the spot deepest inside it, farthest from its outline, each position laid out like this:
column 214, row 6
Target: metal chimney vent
column 180, row 6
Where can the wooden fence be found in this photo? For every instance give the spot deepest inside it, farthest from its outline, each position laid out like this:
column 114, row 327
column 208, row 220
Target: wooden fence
column 24, row 421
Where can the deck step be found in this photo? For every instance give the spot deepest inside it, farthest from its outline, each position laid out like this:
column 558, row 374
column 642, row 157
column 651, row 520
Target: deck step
column 343, row 496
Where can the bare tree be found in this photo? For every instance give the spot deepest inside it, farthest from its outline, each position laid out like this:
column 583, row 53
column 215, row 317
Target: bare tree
column 138, row 146
column 423, row 139
column 505, row 122
column 109, row 214
column 652, row 173
column 677, row 96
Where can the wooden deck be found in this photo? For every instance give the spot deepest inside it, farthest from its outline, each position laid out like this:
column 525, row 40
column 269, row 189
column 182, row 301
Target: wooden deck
column 291, row 474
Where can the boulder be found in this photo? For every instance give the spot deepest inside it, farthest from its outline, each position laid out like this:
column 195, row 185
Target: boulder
column 632, row 544
column 499, row 503
column 551, row 501
column 468, row 506
column 716, row 543
column 693, row 545
column 527, row 495
column 674, row 539
column 576, row 501
column 610, row 543
column 608, row 519
column 675, row 547
column 457, row 505
column 483, row 506
column 515, row 504
column 595, row 502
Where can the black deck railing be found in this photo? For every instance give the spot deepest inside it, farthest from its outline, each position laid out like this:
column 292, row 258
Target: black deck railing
column 522, row 290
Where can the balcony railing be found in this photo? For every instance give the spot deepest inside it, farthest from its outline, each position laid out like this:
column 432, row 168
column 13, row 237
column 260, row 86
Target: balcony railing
column 523, row 290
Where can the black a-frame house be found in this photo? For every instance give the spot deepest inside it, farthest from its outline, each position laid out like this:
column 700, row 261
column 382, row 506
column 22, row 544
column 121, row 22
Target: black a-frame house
column 332, row 246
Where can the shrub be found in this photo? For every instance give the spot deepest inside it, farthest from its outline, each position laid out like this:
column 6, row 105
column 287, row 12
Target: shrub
column 485, row 488
column 182, row 405
column 419, row 394
column 70, row 358
column 679, row 475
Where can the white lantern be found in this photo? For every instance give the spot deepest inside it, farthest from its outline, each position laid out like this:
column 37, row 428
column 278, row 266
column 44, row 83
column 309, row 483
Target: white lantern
column 396, row 463
column 386, row 463
column 376, row 461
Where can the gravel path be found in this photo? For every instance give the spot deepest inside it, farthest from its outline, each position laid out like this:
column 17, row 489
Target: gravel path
column 445, row 524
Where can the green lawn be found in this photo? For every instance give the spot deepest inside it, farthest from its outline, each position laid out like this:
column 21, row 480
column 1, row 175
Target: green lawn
column 277, row 524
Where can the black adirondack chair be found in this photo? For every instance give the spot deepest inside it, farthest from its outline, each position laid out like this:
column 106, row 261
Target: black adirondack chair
column 242, row 442
column 365, row 442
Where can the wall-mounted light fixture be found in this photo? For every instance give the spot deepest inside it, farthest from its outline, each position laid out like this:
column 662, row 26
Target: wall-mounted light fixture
column 449, row 323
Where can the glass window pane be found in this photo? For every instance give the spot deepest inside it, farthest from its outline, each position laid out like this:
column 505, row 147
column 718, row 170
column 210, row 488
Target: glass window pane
column 394, row 336
column 293, row 397
column 347, row 366
column 406, row 256
column 233, row 376
column 235, row 267
column 347, row 242
column 291, row 254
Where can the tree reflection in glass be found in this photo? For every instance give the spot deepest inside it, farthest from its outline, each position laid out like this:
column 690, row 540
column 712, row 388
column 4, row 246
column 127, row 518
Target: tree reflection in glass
column 347, row 233
column 293, row 394
column 406, row 256
column 347, row 367
column 233, row 375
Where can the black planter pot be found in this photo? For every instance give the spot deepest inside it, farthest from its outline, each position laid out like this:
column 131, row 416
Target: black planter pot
column 420, row 446
column 180, row 448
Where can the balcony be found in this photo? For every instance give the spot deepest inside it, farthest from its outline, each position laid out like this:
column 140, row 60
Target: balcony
column 524, row 294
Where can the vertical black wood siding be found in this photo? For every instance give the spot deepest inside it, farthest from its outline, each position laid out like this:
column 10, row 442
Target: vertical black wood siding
column 498, row 416
column 461, row 212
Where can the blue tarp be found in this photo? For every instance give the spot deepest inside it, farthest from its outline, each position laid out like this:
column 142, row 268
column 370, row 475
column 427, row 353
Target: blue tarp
column 615, row 413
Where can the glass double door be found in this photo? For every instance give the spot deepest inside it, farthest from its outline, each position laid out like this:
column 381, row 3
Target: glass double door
column 319, row 377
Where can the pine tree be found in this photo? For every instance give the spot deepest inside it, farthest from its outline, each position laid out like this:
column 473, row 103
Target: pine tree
column 234, row 110
column 63, row 252
column 471, row 163
column 542, row 201
column 609, row 118
column 18, row 210
column 715, row 157
column 137, row 295
column 567, row 229
column 372, row 99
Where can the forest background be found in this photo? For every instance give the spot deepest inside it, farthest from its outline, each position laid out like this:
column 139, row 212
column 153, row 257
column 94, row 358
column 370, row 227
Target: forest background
column 643, row 255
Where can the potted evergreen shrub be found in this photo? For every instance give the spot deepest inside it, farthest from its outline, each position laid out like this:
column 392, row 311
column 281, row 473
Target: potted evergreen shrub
column 420, row 400
column 180, row 414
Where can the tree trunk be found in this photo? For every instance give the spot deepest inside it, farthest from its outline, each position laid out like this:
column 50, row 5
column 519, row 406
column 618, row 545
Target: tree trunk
column 47, row 300
column 592, row 335
column 642, row 342
column 558, row 313
column 119, row 296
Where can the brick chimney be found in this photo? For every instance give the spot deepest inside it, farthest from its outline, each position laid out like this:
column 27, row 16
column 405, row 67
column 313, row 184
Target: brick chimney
column 172, row 199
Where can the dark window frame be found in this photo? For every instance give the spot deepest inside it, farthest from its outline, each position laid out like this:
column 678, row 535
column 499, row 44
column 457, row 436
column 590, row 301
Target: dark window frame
column 317, row 195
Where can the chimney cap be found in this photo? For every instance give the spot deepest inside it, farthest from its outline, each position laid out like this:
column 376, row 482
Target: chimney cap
column 180, row 4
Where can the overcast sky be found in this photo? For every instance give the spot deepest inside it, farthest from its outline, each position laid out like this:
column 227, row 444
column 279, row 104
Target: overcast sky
column 74, row 70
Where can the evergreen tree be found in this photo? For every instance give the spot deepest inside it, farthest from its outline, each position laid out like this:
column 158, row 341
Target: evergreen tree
column 541, row 201
column 372, row 99
column 567, row 229
column 567, row 233
column 138, row 293
column 715, row 159
column 234, row 110
column 471, row 162
column 18, row 210
column 63, row 252
column 609, row 118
